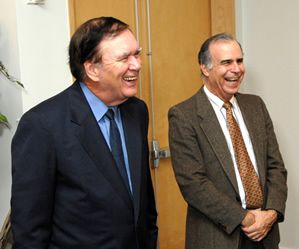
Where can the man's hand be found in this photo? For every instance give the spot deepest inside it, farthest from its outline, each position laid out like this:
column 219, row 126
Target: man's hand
column 264, row 221
column 248, row 220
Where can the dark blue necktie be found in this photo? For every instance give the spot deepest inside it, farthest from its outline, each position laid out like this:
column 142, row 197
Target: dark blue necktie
column 116, row 147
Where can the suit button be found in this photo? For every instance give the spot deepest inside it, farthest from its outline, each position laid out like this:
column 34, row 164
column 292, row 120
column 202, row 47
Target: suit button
column 238, row 199
column 222, row 226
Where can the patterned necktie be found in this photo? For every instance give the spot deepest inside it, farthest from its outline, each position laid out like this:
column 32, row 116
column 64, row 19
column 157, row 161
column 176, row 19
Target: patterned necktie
column 252, row 187
column 116, row 147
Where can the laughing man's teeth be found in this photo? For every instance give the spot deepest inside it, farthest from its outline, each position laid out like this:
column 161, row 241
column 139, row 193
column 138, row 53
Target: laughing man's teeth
column 231, row 80
column 130, row 78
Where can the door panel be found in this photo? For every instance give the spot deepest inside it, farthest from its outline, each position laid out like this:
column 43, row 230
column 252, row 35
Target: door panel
column 84, row 10
column 178, row 28
column 170, row 74
column 222, row 16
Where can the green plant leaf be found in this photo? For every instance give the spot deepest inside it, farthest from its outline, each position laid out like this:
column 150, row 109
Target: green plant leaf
column 19, row 83
column 3, row 120
column 4, row 71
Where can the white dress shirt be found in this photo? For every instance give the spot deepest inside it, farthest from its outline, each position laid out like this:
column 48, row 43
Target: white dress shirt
column 220, row 111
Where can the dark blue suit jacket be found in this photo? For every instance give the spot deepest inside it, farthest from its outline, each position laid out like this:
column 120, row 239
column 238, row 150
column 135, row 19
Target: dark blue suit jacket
column 67, row 191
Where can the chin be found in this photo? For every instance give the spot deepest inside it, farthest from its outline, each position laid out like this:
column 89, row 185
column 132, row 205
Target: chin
column 233, row 90
column 131, row 92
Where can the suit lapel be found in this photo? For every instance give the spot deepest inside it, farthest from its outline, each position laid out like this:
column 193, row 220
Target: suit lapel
column 212, row 129
column 252, row 121
column 132, row 134
column 93, row 141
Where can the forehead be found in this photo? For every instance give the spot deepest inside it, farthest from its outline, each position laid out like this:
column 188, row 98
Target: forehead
column 124, row 42
column 225, row 50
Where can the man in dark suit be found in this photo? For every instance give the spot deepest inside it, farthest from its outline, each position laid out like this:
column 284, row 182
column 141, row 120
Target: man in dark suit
column 69, row 188
column 206, row 160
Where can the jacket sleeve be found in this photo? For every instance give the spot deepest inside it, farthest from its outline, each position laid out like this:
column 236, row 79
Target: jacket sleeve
column 275, row 190
column 33, row 181
column 152, row 229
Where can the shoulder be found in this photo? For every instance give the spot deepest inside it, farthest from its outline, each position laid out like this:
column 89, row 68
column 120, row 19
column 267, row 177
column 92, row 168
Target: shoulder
column 250, row 102
column 50, row 110
column 198, row 103
column 49, row 106
column 248, row 98
column 133, row 101
column 191, row 101
column 134, row 112
column 134, row 104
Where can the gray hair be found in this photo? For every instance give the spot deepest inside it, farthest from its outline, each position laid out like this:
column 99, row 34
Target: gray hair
column 204, row 55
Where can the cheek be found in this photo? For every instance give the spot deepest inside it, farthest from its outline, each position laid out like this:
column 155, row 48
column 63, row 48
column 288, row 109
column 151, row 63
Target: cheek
column 243, row 70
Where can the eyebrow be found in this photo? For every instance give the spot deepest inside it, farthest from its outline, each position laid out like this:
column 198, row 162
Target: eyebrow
column 230, row 60
column 128, row 54
column 225, row 61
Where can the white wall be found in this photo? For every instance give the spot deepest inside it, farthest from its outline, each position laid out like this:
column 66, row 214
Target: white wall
column 33, row 45
column 10, row 97
column 269, row 33
column 43, row 32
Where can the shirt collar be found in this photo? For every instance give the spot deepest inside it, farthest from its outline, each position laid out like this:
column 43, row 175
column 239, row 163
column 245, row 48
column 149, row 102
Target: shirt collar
column 97, row 106
column 216, row 100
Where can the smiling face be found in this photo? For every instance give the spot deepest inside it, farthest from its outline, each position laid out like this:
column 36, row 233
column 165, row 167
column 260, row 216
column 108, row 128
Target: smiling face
column 227, row 72
column 116, row 76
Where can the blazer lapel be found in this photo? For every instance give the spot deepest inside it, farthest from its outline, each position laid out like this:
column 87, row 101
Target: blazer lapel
column 90, row 136
column 212, row 129
column 252, row 121
column 132, row 134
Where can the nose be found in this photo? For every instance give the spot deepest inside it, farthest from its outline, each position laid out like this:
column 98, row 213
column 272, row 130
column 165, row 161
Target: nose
column 236, row 67
column 135, row 63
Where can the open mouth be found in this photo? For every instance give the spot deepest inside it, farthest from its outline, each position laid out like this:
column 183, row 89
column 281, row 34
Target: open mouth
column 130, row 78
column 232, row 80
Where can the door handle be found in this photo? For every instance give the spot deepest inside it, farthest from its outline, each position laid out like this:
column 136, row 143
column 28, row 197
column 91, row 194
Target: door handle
column 157, row 153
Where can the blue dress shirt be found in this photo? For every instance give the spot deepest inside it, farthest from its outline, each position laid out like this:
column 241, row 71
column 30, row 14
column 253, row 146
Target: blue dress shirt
column 99, row 110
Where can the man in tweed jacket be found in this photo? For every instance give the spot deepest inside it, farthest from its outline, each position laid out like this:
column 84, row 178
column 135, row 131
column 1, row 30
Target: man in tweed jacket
column 204, row 162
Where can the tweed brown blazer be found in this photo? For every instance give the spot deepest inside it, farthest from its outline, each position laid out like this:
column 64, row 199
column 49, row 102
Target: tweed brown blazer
column 205, row 173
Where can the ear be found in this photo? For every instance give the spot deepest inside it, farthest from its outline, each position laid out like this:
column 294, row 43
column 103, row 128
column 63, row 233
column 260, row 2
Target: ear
column 204, row 69
column 91, row 70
